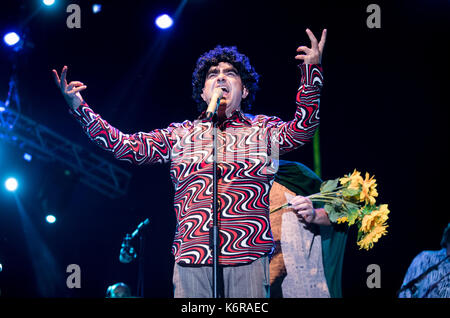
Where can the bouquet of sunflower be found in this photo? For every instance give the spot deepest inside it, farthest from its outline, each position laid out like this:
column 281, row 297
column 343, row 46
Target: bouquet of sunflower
column 351, row 200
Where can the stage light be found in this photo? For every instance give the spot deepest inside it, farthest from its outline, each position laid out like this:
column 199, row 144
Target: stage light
column 27, row 157
column 48, row 2
column 164, row 21
column 11, row 38
column 96, row 8
column 50, row 219
column 11, row 184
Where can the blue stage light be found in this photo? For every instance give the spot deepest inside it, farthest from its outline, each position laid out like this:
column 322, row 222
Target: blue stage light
column 27, row 157
column 11, row 184
column 96, row 8
column 11, row 38
column 50, row 219
column 48, row 2
column 164, row 21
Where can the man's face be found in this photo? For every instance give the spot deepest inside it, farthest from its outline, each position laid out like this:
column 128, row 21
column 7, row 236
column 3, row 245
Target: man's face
column 225, row 76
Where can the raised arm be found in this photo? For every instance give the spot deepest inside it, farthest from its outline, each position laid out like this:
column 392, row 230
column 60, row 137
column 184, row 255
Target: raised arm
column 295, row 133
column 138, row 148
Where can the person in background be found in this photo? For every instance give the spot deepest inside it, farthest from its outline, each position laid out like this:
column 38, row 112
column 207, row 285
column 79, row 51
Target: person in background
column 428, row 276
column 309, row 254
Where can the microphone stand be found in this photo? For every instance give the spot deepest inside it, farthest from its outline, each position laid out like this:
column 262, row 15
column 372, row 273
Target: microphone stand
column 215, row 226
column 140, row 284
column 128, row 238
column 138, row 231
column 214, row 230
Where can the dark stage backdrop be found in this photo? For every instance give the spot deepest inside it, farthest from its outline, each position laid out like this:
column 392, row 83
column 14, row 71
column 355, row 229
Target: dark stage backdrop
column 383, row 110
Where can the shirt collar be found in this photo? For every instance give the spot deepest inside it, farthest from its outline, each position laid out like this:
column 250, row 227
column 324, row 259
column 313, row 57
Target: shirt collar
column 237, row 117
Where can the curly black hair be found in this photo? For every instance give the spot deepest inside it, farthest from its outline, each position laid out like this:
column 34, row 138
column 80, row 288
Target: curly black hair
column 228, row 54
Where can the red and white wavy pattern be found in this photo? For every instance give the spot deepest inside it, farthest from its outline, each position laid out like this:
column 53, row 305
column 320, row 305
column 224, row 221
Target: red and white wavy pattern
column 248, row 150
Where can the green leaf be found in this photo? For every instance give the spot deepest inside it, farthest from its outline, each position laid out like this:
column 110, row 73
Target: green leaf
column 367, row 209
column 360, row 235
column 350, row 192
column 334, row 212
column 329, row 185
column 329, row 208
column 353, row 213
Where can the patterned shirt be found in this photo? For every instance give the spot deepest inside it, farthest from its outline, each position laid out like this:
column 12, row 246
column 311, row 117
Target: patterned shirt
column 435, row 284
column 247, row 154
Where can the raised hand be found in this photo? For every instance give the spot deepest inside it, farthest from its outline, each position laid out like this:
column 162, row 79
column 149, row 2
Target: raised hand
column 71, row 91
column 312, row 55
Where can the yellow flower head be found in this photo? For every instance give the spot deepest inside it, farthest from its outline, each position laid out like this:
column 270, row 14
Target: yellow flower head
column 342, row 220
column 376, row 217
column 369, row 239
column 368, row 190
column 355, row 180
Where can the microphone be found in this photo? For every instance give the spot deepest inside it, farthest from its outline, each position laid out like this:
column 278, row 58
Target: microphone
column 139, row 228
column 214, row 102
column 127, row 252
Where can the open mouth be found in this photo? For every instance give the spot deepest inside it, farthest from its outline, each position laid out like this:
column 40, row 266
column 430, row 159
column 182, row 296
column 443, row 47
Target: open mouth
column 225, row 89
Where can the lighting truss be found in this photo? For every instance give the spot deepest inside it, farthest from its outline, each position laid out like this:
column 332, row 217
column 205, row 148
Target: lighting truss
column 47, row 145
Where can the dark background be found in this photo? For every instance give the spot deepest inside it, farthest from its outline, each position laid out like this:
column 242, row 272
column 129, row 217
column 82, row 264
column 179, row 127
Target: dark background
column 383, row 110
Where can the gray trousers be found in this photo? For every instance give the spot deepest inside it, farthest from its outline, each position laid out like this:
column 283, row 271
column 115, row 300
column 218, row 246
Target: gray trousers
column 243, row 281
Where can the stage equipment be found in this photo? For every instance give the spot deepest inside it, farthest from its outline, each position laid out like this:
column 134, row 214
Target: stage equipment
column 48, row 146
column 128, row 254
column 44, row 144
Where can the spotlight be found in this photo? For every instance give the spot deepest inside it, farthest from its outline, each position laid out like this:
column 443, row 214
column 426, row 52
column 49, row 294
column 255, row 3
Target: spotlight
column 48, row 2
column 27, row 157
column 50, row 219
column 11, row 184
column 11, row 38
column 164, row 21
column 96, row 8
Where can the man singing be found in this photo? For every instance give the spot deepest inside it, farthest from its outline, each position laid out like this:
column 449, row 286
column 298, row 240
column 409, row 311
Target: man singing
column 245, row 174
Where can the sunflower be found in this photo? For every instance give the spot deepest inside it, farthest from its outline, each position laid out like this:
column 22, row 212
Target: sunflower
column 355, row 180
column 372, row 237
column 368, row 190
column 351, row 199
column 376, row 217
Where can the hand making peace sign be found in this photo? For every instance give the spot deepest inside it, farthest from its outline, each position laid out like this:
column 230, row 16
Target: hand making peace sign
column 71, row 91
column 312, row 55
